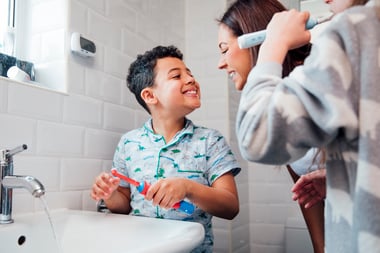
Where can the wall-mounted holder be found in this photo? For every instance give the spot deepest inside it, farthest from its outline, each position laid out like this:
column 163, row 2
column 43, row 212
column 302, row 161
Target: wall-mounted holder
column 82, row 46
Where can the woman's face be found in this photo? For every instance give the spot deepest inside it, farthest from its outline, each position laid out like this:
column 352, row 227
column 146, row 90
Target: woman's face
column 237, row 62
column 337, row 6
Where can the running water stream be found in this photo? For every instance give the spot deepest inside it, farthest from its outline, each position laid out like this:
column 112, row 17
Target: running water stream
column 47, row 211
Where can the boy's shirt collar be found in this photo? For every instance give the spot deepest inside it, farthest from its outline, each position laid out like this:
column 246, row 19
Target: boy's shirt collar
column 188, row 129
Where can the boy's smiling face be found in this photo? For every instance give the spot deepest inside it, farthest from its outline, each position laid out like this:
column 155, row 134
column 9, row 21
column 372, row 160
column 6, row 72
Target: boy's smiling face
column 175, row 88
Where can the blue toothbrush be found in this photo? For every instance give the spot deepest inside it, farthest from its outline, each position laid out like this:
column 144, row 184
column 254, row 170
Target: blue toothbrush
column 256, row 38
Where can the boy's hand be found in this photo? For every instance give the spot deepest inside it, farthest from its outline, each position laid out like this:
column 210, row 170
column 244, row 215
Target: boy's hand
column 105, row 184
column 167, row 192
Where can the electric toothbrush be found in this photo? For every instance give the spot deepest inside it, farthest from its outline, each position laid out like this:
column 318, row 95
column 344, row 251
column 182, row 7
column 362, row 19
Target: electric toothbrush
column 143, row 187
column 256, row 38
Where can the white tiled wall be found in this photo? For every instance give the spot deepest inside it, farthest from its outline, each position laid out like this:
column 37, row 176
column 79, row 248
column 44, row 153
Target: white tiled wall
column 71, row 137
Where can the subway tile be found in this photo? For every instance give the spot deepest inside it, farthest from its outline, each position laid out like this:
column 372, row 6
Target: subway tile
column 78, row 17
column 122, row 13
column 141, row 116
column 221, row 224
column 128, row 98
column 33, row 102
column 222, row 240
column 272, row 234
column 103, row 86
column 240, row 237
column 15, row 131
column 111, row 89
column 148, row 28
column 116, row 63
column 242, row 187
column 3, row 95
column 131, row 43
column 100, row 144
column 242, row 217
column 96, row 5
column 79, row 174
column 107, row 164
column 76, row 78
column 212, row 86
column 59, row 140
column 44, row 169
column 245, row 249
column 216, row 109
column 118, row 118
column 87, row 202
column 83, row 111
column 104, row 30
column 267, row 248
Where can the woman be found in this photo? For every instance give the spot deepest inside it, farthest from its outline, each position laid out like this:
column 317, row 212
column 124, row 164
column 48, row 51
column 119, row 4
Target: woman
column 246, row 16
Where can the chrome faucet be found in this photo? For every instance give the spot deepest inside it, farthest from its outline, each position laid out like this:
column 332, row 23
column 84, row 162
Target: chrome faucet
column 9, row 181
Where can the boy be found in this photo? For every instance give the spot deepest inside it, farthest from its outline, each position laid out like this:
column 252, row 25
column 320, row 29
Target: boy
column 179, row 159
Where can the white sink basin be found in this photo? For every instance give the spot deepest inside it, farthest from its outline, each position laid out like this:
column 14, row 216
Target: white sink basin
column 85, row 231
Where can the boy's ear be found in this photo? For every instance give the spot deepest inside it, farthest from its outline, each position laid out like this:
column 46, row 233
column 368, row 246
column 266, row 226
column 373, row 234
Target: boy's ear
column 148, row 96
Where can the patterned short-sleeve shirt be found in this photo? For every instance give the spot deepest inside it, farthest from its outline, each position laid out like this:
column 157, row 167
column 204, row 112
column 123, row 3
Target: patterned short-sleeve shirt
column 197, row 153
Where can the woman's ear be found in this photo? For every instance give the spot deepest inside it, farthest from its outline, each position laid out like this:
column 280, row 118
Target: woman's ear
column 148, row 96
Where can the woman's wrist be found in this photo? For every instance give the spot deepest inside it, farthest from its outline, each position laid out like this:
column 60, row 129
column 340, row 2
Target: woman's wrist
column 272, row 52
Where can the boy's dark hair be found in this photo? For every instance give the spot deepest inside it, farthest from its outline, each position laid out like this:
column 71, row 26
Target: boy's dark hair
column 141, row 71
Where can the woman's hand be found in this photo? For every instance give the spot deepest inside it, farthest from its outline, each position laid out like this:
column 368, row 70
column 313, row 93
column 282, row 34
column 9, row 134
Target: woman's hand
column 289, row 29
column 286, row 31
column 310, row 188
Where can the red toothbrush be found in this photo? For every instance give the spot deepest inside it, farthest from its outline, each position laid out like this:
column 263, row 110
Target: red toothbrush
column 144, row 186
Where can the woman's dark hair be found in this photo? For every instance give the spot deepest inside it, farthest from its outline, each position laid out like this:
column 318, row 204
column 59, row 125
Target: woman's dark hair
column 141, row 72
column 247, row 16
column 359, row 2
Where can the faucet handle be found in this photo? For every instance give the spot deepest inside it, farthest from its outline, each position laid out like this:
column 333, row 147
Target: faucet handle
column 16, row 150
column 6, row 155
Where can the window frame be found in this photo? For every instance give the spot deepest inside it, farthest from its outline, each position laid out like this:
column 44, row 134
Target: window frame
column 8, row 20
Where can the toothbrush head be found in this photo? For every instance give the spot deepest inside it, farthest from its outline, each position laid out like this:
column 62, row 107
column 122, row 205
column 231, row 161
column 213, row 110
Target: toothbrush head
column 121, row 176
